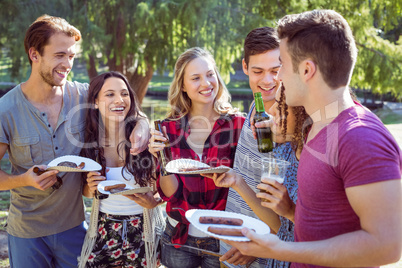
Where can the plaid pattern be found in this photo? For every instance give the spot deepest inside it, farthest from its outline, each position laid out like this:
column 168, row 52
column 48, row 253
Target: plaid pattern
column 195, row 191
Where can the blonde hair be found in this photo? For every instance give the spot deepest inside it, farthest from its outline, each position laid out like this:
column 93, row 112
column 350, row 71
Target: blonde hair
column 178, row 99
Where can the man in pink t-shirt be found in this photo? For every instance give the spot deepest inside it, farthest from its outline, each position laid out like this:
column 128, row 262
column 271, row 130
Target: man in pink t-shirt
column 349, row 207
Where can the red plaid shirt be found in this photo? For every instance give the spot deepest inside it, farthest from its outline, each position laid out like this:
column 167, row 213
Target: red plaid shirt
column 195, row 191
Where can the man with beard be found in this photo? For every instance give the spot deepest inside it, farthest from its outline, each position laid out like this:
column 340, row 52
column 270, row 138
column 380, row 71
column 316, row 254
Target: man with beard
column 40, row 120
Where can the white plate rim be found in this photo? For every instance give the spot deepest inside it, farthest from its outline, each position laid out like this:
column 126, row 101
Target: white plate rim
column 259, row 226
column 90, row 165
column 171, row 167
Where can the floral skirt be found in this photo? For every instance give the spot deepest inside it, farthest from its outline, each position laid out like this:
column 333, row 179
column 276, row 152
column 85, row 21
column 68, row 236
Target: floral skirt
column 119, row 242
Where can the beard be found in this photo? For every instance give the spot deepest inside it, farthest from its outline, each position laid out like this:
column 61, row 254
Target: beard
column 48, row 79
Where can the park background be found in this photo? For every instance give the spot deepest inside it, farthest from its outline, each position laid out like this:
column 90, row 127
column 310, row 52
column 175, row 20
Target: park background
column 142, row 39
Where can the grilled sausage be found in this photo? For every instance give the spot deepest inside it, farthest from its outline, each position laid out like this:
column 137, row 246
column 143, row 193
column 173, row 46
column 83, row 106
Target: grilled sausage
column 110, row 187
column 225, row 231
column 221, row 220
column 192, row 169
column 81, row 166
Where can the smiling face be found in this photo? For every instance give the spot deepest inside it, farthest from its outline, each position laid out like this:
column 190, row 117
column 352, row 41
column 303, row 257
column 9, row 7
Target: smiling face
column 57, row 59
column 280, row 112
column 262, row 71
column 200, row 81
column 113, row 100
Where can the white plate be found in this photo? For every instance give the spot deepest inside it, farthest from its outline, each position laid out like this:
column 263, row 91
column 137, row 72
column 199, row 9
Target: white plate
column 90, row 165
column 175, row 165
column 130, row 189
column 193, row 216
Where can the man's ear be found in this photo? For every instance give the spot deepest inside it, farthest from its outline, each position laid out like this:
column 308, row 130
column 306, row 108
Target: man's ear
column 308, row 69
column 244, row 65
column 33, row 54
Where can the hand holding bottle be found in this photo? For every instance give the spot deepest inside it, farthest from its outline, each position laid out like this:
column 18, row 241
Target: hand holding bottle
column 156, row 142
column 262, row 124
column 264, row 135
column 160, row 149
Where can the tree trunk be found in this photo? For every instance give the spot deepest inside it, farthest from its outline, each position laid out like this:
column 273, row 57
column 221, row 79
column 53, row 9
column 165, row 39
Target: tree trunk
column 91, row 68
column 140, row 83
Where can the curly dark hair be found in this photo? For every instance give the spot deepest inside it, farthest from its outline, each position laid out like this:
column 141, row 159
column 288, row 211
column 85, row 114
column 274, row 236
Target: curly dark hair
column 141, row 165
column 303, row 121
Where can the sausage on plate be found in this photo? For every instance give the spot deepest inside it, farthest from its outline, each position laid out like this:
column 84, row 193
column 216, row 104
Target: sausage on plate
column 116, row 186
column 221, row 220
column 81, row 165
column 225, row 231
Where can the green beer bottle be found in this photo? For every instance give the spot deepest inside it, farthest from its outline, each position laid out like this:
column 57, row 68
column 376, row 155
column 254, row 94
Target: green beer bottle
column 264, row 135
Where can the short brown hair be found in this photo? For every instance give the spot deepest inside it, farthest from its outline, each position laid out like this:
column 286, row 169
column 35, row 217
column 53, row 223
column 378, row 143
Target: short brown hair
column 325, row 37
column 38, row 34
column 260, row 40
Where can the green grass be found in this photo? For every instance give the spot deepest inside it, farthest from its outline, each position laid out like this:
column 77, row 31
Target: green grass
column 160, row 83
column 3, row 218
column 5, row 65
column 4, row 200
column 4, row 263
column 239, row 85
column 88, row 204
column 388, row 116
column 5, row 164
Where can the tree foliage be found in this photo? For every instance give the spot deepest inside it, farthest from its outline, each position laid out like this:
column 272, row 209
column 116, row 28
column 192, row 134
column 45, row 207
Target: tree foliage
column 139, row 38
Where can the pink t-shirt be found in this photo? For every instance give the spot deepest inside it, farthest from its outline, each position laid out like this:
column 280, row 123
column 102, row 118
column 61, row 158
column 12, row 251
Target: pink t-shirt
column 354, row 149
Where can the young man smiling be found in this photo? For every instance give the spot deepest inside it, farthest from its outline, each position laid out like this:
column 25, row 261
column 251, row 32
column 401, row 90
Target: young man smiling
column 261, row 64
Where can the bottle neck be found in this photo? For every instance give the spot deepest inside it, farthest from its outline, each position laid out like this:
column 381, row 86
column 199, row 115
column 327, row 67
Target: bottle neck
column 158, row 125
column 259, row 105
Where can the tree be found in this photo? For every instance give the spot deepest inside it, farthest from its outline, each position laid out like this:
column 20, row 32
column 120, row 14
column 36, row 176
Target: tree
column 376, row 26
column 16, row 16
column 139, row 38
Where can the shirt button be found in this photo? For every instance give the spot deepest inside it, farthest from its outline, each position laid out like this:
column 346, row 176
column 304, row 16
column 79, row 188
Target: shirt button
column 56, row 148
column 44, row 114
column 48, row 125
column 54, row 136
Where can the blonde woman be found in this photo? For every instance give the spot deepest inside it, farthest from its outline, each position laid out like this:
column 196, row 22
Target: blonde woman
column 201, row 125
